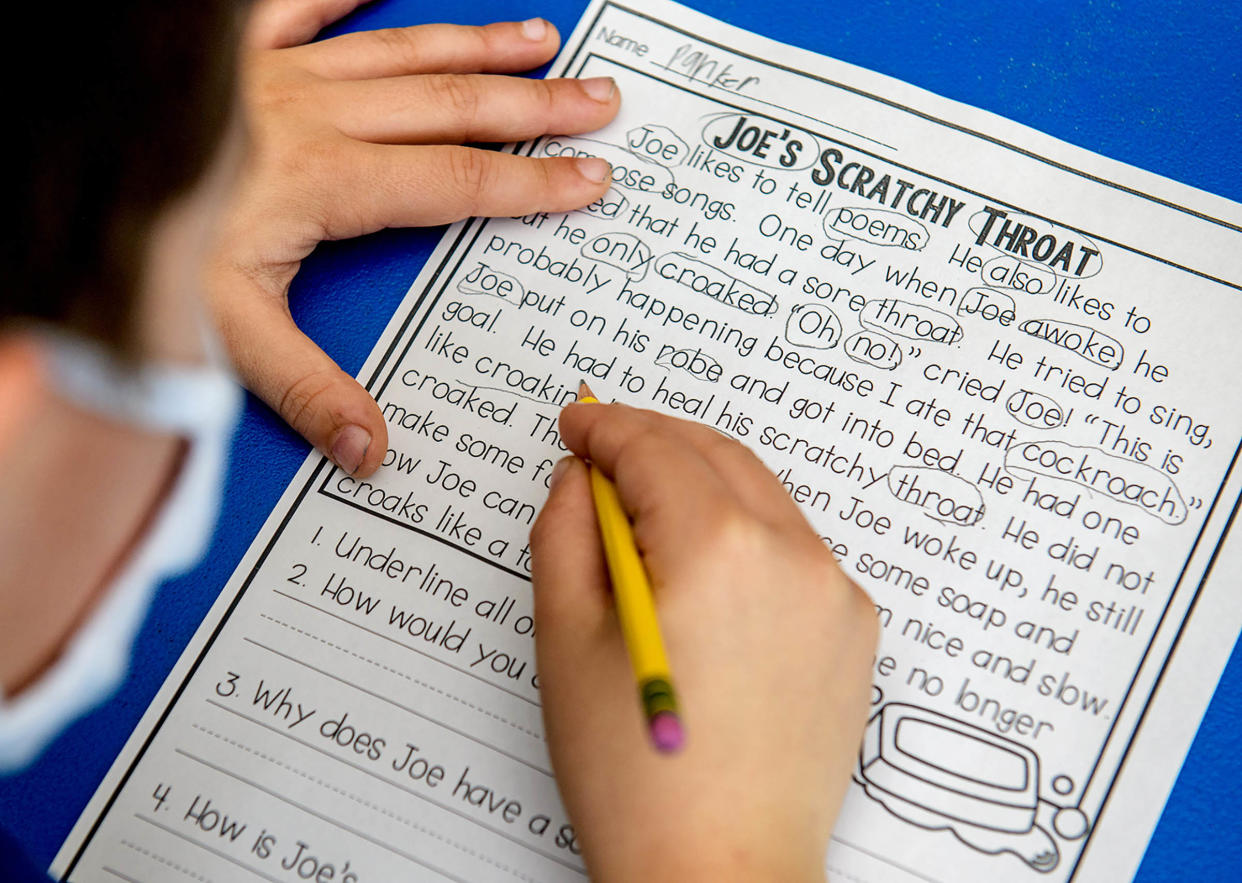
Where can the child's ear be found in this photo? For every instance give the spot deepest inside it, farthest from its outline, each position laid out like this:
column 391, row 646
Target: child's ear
column 23, row 386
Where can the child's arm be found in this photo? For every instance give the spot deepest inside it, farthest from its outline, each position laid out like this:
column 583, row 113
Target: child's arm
column 770, row 646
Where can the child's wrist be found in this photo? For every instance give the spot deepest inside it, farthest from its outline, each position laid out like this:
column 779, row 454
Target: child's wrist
column 718, row 861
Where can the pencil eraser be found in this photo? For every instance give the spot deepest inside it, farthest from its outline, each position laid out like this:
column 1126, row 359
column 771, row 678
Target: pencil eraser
column 666, row 732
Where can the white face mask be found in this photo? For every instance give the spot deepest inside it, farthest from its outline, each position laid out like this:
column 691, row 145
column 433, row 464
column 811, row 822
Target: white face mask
column 200, row 404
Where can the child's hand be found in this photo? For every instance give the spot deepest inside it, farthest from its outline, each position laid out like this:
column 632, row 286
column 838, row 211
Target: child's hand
column 769, row 643
column 361, row 132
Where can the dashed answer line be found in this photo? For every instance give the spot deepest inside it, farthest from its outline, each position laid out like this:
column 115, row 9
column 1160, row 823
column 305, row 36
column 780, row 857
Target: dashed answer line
column 393, row 640
column 408, row 677
column 838, row 874
column 400, row 787
column 395, row 704
column 142, row 850
column 357, row 833
column 181, row 835
column 368, row 804
column 115, row 873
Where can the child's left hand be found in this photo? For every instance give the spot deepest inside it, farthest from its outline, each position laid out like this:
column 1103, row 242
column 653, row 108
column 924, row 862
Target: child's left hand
column 361, row 132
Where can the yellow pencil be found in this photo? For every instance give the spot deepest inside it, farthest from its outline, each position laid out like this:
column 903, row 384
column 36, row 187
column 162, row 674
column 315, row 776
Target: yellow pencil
column 631, row 592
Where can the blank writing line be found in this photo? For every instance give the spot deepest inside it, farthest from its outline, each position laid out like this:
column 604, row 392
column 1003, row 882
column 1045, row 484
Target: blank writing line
column 362, row 801
column 364, row 836
column 887, row 861
column 166, row 862
column 395, row 704
column 400, row 787
column 212, row 850
column 690, row 78
column 393, row 640
column 816, row 119
column 409, row 677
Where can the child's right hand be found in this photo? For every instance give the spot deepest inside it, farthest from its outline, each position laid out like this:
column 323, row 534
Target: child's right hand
column 770, row 646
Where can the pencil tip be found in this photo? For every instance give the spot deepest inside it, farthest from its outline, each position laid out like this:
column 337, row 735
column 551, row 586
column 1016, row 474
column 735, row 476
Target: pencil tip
column 584, row 391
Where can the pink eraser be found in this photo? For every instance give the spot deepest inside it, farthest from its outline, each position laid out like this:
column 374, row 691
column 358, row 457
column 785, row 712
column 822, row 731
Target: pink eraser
column 666, row 732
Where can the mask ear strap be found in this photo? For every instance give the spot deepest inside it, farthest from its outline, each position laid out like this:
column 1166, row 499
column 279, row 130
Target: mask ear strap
column 159, row 396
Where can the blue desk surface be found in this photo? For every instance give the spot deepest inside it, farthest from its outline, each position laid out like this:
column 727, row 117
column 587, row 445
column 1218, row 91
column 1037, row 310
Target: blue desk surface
column 1155, row 84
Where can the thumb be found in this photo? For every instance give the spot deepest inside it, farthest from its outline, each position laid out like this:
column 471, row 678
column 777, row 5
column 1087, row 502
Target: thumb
column 568, row 571
column 578, row 649
column 298, row 380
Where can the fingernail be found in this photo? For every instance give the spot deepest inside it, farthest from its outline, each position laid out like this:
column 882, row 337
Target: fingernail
column 535, row 29
column 350, row 446
column 599, row 88
column 593, row 169
column 559, row 470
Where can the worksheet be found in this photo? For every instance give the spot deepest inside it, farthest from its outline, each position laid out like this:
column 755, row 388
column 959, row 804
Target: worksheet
column 996, row 371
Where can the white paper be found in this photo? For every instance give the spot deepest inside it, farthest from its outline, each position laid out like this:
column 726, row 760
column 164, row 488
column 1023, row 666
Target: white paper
column 1026, row 458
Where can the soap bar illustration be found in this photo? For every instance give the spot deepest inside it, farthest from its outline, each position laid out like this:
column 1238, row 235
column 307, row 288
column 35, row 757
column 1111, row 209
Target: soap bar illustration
column 941, row 773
